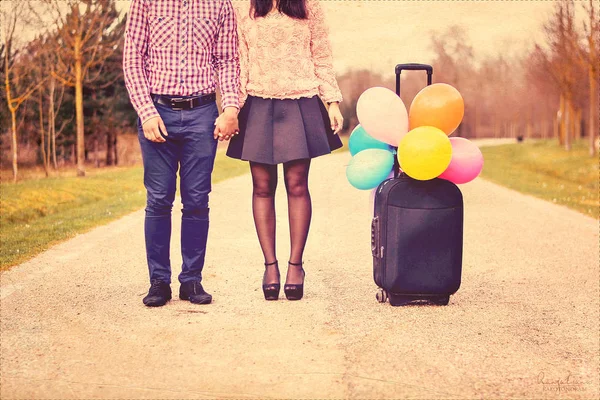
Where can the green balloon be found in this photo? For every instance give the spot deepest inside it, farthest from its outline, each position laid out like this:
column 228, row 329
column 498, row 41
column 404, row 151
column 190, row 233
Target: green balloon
column 369, row 168
column 360, row 140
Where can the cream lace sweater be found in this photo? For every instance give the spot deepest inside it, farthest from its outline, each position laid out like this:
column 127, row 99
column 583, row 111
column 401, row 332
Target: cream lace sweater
column 285, row 58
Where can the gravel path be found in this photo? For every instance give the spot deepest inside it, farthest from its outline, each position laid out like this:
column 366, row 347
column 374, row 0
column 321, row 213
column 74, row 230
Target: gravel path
column 525, row 323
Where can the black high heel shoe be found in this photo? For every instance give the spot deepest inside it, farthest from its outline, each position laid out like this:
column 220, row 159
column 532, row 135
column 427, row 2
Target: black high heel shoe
column 295, row 291
column 271, row 290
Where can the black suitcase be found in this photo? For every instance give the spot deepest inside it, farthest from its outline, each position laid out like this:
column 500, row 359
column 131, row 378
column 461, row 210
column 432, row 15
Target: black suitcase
column 417, row 234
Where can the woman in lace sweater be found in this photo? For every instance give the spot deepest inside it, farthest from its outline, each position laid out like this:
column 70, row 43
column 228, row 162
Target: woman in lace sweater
column 286, row 75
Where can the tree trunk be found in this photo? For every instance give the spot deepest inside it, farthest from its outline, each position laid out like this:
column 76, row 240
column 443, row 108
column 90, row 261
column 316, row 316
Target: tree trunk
column 116, row 150
column 561, row 121
column 573, row 120
column 43, row 134
column 578, row 124
column 79, row 109
column 567, row 124
column 52, row 117
column 96, row 153
column 592, row 128
column 13, row 116
column 109, row 145
column 13, row 113
column 73, row 154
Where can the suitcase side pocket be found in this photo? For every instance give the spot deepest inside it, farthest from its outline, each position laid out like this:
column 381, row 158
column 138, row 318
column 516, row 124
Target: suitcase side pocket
column 376, row 251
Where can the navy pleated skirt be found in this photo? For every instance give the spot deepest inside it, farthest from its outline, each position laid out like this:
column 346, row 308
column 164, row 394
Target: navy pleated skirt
column 274, row 131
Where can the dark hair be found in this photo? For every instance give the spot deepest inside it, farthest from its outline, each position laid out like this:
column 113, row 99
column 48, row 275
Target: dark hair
column 291, row 8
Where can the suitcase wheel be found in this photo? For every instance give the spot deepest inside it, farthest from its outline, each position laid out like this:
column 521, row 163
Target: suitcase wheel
column 399, row 300
column 381, row 296
column 442, row 301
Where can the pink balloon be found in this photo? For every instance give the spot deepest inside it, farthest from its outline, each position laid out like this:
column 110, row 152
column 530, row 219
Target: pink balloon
column 466, row 163
column 383, row 115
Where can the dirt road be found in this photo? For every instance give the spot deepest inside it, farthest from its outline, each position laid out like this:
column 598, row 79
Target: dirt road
column 523, row 325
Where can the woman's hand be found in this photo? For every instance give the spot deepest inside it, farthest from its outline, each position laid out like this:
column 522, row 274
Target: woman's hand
column 335, row 116
column 226, row 125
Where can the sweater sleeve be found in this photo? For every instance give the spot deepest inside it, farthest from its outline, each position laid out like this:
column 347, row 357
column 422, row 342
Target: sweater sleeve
column 322, row 56
column 243, row 54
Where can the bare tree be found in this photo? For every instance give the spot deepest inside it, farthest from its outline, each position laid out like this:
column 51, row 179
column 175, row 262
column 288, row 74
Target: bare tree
column 589, row 57
column 561, row 62
column 87, row 36
column 18, row 87
column 53, row 97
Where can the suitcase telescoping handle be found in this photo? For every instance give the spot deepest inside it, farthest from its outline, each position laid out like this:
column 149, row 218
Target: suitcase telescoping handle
column 399, row 69
column 412, row 67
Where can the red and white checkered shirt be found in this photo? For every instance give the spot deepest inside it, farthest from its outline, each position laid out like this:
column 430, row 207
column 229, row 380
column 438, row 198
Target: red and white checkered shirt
column 174, row 47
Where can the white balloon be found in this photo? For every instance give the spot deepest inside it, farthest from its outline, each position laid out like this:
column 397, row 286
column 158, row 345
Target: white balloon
column 383, row 115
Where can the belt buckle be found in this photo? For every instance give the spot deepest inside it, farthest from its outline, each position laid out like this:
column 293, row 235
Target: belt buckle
column 173, row 101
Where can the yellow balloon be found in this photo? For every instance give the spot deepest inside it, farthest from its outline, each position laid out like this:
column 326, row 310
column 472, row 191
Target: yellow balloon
column 439, row 105
column 424, row 153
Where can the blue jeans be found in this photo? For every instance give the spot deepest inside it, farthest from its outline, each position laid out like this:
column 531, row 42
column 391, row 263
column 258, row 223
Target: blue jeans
column 191, row 148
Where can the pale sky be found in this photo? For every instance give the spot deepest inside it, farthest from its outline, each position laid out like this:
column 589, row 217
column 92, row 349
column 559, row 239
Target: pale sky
column 378, row 34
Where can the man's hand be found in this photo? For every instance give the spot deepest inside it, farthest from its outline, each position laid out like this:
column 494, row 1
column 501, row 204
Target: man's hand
column 153, row 129
column 226, row 126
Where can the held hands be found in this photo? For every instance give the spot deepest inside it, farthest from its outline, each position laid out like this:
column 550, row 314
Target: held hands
column 226, row 125
column 154, row 129
column 335, row 116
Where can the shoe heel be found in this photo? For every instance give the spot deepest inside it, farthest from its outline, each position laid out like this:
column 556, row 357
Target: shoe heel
column 295, row 291
column 271, row 290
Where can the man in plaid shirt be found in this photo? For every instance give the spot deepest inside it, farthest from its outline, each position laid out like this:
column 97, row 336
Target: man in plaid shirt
column 172, row 50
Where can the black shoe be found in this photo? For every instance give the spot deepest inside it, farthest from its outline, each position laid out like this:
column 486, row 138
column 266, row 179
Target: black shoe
column 271, row 290
column 158, row 295
column 295, row 291
column 194, row 292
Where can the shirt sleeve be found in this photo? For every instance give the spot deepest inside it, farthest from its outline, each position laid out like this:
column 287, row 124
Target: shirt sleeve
column 225, row 57
column 134, row 58
column 321, row 54
column 243, row 54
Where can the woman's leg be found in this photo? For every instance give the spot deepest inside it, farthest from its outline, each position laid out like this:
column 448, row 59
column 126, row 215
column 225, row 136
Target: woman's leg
column 300, row 212
column 264, row 180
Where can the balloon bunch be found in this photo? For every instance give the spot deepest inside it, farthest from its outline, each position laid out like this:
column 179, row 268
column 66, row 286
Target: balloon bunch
column 421, row 135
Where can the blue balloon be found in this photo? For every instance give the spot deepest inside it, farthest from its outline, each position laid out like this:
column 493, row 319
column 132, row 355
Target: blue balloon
column 360, row 140
column 369, row 168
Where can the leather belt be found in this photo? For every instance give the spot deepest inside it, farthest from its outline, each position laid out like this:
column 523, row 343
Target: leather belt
column 183, row 103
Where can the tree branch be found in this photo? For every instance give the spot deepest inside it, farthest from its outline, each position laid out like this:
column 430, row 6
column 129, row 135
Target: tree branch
column 62, row 80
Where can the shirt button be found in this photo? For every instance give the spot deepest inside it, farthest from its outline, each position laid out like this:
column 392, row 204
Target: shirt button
column 181, row 81
column 184, row 20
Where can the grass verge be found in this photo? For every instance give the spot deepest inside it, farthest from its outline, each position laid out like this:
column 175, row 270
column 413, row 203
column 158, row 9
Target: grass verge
column 545, row 170
column 38, row 213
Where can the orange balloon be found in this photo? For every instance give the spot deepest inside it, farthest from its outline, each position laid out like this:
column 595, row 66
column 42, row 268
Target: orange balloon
column 439, row 105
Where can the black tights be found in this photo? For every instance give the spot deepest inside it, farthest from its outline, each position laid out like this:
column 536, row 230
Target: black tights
column 264, row 179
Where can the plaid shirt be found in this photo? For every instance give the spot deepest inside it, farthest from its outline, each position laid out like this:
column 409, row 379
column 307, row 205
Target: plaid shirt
column 174, row 47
